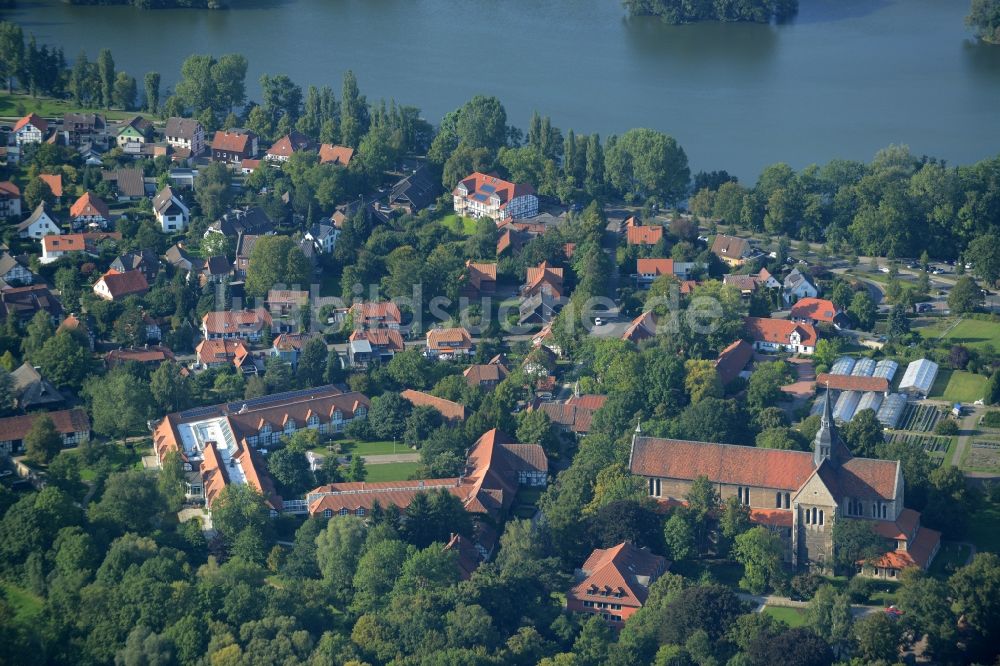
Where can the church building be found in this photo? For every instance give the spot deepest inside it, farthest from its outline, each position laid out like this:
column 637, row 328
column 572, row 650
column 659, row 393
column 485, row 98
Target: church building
column 798, row 494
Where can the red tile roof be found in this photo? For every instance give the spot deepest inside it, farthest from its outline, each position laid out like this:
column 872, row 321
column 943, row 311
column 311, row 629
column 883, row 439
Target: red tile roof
column 852, row 383
column 54, row 181
column 371, row 314
column 654, row 266
column 732, row 360
column 902, row 528
column 335, row 154
column 437, row 337
column 221, row 351
column 289, row 144
column 721, row 463
column 89, row 205
column 145, row 355
column 587, row 401
column 818, row 309
column 451, row 411
column 544, row 274
column 650, row 235
column 232, row 142
column 125, row 284
column 9, row 189
column 771, row 517
column 66, row 421
column 867, row 478
column 777, row 331
column 33, row 119
column 503, row 189
column 77, row 242
column 232, row 322
column 623, row 570
column 918, row 553
column 641, row 328
column 476, row 375
column 380, row 337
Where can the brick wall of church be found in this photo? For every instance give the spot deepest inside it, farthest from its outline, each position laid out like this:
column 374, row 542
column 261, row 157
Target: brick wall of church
column 815, row 542
column 760, row 498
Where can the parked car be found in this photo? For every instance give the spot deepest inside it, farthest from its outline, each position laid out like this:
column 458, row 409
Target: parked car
column 883, row 269
column 925, row 307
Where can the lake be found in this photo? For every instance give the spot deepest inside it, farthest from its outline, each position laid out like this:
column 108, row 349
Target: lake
column 843, row 79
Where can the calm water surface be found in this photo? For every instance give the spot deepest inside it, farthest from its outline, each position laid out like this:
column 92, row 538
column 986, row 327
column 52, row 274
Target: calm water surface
column 844, row 79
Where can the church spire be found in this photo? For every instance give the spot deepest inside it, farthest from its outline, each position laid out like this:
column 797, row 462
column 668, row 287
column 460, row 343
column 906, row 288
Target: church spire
column 827, row 444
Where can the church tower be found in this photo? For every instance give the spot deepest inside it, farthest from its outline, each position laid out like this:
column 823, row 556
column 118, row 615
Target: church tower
column 827, row 444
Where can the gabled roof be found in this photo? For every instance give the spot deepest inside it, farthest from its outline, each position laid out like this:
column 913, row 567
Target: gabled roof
column 546, row 274
column 331, row 154
column 451, row 411
column 624, row 569
column 54, row 181
column 476, row 375
column 419, row 189
column 24, row 302
column 32, row 119
column 650, row 235
column 795, row 278
column 89, row 205
column 642, row 328
column 33, row 390
column 182, row 128
column 482, row 187
column 654, row 266
column 164, row 199
column 128, row 181
column 8, row 263
column 125, row 284
column 85, row 242
column 218, row 351
column 292, row 142
column 386, row 311
column 232, row 322
column 156, row 354
column 777, row 330
column 9, row 190
column 732, row 360
column 731, row 246
column 391, row 339
column 438, row 337
column 92, row 121
column 66, row 421
column 232, row 141
column 818, row 309
column 36, row 215
column 480, row 272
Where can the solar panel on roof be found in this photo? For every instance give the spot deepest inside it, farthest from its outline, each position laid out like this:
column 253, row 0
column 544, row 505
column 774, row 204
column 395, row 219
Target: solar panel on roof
column 479, row 197
column 489, row 189
column 287, row 395
column 199, row 411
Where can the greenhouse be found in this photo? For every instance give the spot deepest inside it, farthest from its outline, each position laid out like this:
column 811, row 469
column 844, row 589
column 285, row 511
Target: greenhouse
column 864, row 367
column 870, row 400
column 892, row 410
column 846, row 405
column 886, row 368
column 919, row 377
column 842, row 366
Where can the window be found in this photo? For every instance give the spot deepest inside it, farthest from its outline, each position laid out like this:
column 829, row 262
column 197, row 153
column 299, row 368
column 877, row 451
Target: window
column 328, row 513
column 821, row 516
column 360, row 511
column 343, row 511
column 807, row 516
column 743, row 494
column 788, row 501
column 588, row 604
column 883, row 511
column 777, row 500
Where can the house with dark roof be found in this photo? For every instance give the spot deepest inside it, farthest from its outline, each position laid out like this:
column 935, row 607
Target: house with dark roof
column 234, row 145
column 142, row 260
column 415, row 192
column 23, row 303
column 323, row 237
column 798, row 494
column 185, row 134
column 488, row 195
column 115, row 286
column 10, row 200
column 487, row 376
column 250, row 220
column 81, row 128
column 12, row 273
column 134, row 132
column 32, row 391
column 170, row 211
column 73, row 427
column 798, row 285
column 748, row 284
column 732, row 250
column 775, row 335
column 128, row 184
column 614, row 582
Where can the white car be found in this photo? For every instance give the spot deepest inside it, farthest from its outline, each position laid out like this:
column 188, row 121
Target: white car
column 598, row 321
column 883, row 269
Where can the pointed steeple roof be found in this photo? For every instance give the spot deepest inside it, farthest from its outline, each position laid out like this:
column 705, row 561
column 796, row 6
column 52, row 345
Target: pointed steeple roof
column 827, row 445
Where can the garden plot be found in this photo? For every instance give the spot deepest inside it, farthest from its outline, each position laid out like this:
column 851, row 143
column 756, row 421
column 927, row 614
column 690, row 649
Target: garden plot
column 933, row 445
column 982, row 456
column 919, row 418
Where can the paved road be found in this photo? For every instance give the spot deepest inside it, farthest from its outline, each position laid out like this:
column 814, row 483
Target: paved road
column 784, row 602
column 966, row 428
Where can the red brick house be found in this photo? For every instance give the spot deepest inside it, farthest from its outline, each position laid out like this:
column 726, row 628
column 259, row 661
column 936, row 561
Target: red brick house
column 614, row 582
column 234, row 146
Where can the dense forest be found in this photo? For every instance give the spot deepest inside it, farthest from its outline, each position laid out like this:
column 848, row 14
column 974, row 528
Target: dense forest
column 692, row 11
column 984, row 17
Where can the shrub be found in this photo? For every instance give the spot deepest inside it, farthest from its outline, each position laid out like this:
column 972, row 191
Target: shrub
column 946, row 427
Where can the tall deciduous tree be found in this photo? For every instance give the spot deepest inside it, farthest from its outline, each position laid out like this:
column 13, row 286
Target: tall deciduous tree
column 647, row 163
column 151, row 83
column 43, row 441
column 106, row 70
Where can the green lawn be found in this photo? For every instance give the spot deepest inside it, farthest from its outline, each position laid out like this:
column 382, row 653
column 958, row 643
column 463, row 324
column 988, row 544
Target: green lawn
column 48, row 107
column 461, row 225
column 25, row 604
column 951, row 556
column 793, row 617
column 973, row 333
column 884, row 594
column 391, row 471
column 984, row 527
column 958, row 386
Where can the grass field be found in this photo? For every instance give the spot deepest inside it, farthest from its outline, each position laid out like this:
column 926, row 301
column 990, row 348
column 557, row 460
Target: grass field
column 461, row 225
column 374, row 448
column 793, row 617
column 958, row 386
column 48, row 107
column 971, row 333
column 984, row 527
column 26, row 605
column 391, row 471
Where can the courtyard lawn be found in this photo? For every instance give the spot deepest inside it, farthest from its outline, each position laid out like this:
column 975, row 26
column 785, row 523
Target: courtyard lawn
column 793, row 617
column 374, row 448
column 26, row 605
column 950, row 557
column 391, row 471
column 958, row 386
column 460, row 225
column 984, row 527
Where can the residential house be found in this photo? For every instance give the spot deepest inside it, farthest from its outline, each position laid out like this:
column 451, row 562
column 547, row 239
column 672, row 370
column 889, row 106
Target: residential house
column 39, row 224
column 218, row 444
column 81, row 326
column 451, row 412
column 575, row 415
column 732, row 250
column 323, row 237
column 154, row 327
column 448, row 343
column 182, row 260
column 55, row 183
column 215, row 270
column 143, row 260
column 543, row 278
column 54, row 247
column 288, row 145
column 247, row 325
column 89, row 211
column 219, row 353
column 12, row 273
column 149, row 356
column 732, row 361
column 128, row 184
column 115, row 286
column 748, row 284
column 368, row 316
column 614, row 582
column 480, row 279
column 415, row 192
column 336, row 155
column 799, row 495
column 487, row 376
column 73, row 427
column 170, row 211
column 23, row 303
column 539, row 308
column 642, row 328
column 90, row 154
column 644, row 235
column 10, row 200
column 647, row 270
column 244, row 247
column 32, row 391
column 183, row 179
column 248, row 166
column 511, row 240
column 251, row 220
column 30, row 129
column 798, row 285
column 133, row 133
column 283, row 302
column 773, row 335
column 234, row 145
column 819, row 310
column 84, row 128
column 486, row 195
column 379, row 344
column 540, row 224
column 186, row 136
column 288, row 347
